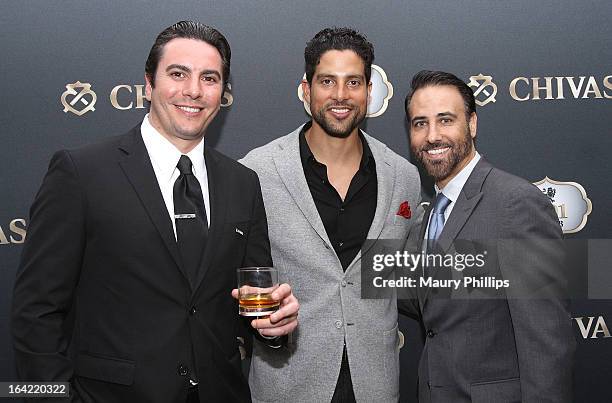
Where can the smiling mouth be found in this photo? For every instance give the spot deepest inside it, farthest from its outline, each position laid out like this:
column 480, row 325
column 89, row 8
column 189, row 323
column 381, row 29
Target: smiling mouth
column 189, row 109
column 340, row 112
column 437, row 151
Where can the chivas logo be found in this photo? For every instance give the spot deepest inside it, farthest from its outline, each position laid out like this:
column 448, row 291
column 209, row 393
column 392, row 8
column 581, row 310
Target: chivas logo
column 82, row 98
column 593, row 327
column 570, row 201
column 484, row 88
column 538, row 88
column 382, row 92
column 16, row 232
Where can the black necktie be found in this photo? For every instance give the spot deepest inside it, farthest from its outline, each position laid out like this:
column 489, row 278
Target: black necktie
column 190, row 218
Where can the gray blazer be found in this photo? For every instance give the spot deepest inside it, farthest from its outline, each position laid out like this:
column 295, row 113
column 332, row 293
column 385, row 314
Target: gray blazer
column 499, row 349
column 331, row 309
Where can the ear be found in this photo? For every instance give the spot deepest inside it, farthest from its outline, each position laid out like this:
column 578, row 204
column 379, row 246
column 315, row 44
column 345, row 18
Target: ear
column 306, row 91
column 369, row 93
column 473, row 124
column 148, row 88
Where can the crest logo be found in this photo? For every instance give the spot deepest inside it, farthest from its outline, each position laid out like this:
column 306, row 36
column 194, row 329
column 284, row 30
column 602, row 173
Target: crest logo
column 82, row 101
column 382, row 92
column 570, row 201
column 484, row 88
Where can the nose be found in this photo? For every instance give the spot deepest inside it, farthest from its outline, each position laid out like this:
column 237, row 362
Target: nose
column 433, row 133
column 192, row 88
column 341, row 93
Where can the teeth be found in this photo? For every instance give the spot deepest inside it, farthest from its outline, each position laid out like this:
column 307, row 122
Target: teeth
column 437, row 151
column 336, row 110
column 188, row 109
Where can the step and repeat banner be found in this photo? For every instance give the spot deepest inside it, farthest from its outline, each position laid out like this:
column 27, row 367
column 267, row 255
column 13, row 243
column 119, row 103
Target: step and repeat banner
column 73, row 73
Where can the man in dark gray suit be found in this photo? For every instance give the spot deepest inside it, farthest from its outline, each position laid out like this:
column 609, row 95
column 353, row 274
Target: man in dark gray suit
column 498, row 347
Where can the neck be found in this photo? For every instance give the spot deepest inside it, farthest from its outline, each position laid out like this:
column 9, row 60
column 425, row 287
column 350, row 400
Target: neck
column 458, row 168
column 331, row 150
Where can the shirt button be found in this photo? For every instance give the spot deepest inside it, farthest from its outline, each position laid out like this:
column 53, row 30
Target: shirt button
column 430, row 333
column 340, row 244
column 193, row 310
column 338, row 324
column 342, row 209
column 182, row 370
column 343, row 283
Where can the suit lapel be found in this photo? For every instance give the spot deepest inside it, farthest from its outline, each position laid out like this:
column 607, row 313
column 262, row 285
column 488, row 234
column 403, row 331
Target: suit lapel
column 136, row 165
column 467, row 201
column 289, row 167
column 385, row 177
column 217, row 191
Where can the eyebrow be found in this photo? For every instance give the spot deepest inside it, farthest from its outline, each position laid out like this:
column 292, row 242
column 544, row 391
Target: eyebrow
column 188, row 70
column 349, row 76
column 439, row 115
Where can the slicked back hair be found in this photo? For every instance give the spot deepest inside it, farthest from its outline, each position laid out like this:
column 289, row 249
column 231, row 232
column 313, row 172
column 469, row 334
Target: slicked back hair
column 428, row 78
column 189, row 30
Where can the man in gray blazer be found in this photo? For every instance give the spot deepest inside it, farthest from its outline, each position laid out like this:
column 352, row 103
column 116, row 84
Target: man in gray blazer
column 327, row 187
column 499, row 348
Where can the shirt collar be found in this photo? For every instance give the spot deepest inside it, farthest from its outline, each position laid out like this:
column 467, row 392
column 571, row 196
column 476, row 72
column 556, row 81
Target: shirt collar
column 306, row 153
column 165, row 156
column 454, row 186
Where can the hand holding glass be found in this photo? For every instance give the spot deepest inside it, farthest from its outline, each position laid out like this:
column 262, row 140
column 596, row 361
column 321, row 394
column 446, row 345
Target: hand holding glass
column 255, row 286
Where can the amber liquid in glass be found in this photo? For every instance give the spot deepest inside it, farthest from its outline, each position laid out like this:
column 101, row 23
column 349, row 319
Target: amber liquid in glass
column 257, row 304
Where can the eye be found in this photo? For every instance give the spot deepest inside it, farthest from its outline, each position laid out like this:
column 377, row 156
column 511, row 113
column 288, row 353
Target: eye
column 446, row 121
column 177, row 74
column 210, row 79
column 419, row 124
column 327, row 82
column 353, row 83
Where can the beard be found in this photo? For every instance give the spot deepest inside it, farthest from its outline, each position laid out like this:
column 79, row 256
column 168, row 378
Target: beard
column 343, row 128
column 440, row 169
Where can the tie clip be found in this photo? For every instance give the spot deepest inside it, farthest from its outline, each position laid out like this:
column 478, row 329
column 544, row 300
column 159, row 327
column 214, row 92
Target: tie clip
column 182, row 216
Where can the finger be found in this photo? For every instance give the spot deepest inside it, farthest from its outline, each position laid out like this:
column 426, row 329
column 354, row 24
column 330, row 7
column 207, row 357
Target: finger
column 281, row 292
column 265, row 323
column 235, row 293
column 280, row 331
column 288, row 310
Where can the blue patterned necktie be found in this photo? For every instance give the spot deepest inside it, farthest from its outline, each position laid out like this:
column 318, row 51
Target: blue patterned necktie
column 436, row 224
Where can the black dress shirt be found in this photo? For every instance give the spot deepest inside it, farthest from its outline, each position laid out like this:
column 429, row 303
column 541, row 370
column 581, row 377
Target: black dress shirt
column 346, row 222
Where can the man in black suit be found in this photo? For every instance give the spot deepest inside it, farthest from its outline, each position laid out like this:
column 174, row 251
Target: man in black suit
column 512, row 344
column 124, row 287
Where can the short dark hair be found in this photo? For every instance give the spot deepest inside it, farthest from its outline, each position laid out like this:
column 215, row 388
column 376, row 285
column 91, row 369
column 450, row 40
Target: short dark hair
column 189, row 30
column 428, row 78
column 337, row 39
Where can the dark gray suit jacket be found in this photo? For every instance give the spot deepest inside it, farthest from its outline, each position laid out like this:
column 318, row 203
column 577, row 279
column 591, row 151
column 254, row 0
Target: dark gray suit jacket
column 497, row 348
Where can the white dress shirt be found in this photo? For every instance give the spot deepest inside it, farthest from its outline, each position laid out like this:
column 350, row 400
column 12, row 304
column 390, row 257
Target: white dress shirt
column 453, row 188
column 164, row 158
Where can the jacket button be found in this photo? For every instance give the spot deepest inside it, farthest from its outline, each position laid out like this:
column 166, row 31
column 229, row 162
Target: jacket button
column 193, row 310
column 343, row 283
column 182, row 370
column 431, row 333
column 338, row 324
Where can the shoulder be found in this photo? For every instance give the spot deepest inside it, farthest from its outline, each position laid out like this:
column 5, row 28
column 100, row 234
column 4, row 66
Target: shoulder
column 261, row 157
column 512, row 186
column 382, row 153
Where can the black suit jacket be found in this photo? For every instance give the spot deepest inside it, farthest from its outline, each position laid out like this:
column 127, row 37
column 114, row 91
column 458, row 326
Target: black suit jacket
column 101, row 298
column 507, row 345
